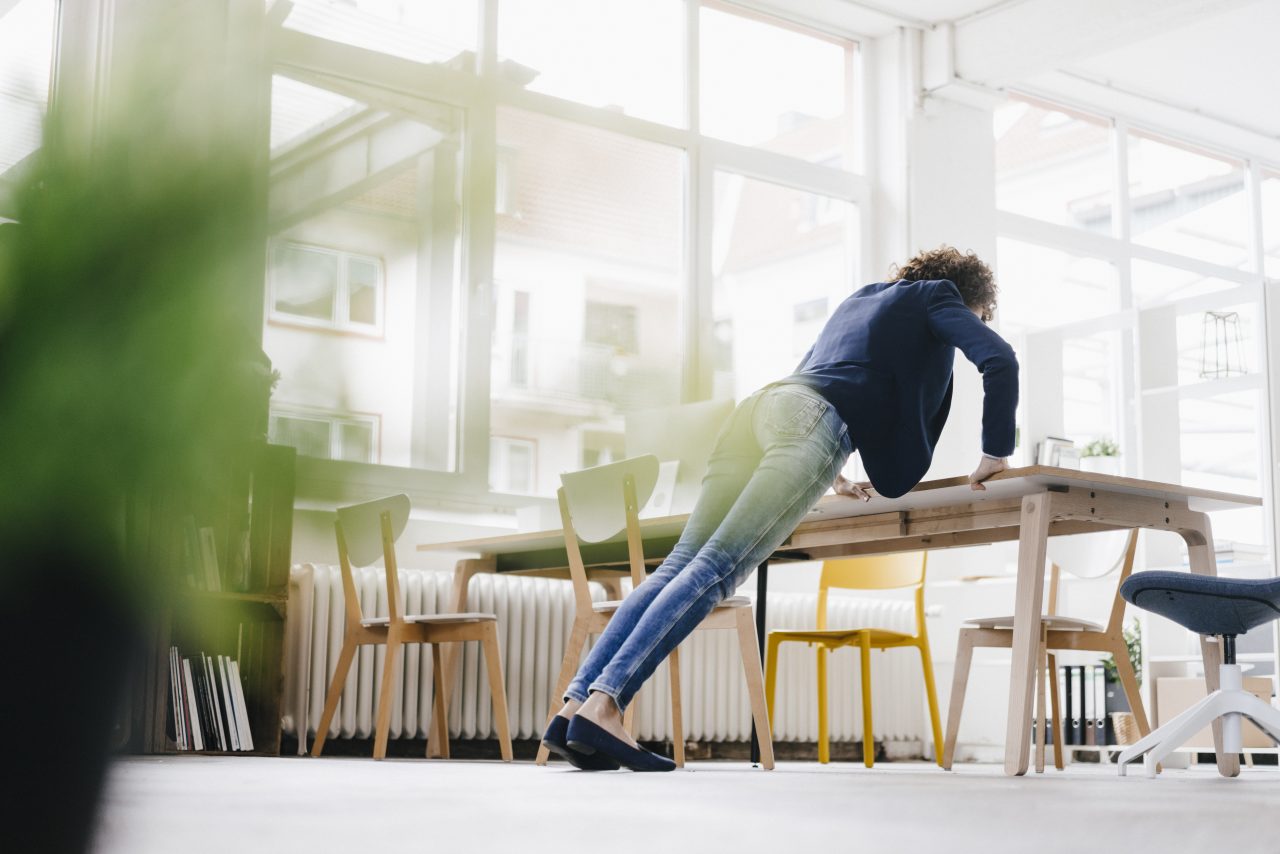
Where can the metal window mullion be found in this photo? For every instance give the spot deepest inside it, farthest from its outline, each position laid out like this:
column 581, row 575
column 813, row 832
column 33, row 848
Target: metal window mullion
column 1128, row 411
column 695, row 379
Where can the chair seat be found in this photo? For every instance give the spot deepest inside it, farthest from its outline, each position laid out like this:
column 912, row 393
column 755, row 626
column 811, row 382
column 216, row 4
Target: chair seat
column 465, row 617
column 1205, row 604
column 842, row 637
column 1055, row 623
column 612, row 605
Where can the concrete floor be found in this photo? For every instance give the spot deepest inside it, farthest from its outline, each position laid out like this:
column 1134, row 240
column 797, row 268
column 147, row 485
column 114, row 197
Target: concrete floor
column 242, row 805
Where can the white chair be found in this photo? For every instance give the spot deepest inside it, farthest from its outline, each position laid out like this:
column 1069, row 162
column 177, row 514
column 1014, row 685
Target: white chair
column 365, row 533
column 1081, row 555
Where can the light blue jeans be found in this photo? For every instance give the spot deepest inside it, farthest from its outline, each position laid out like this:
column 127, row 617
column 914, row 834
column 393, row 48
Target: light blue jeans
column 780, row 451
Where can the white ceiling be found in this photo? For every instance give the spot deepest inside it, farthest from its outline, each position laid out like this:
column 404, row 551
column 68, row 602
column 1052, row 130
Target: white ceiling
column 1224, row 66
column 1216, row 70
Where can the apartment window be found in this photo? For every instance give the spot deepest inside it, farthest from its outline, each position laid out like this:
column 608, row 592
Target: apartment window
column 329, row 436
column 26, row 59
column 326, row 288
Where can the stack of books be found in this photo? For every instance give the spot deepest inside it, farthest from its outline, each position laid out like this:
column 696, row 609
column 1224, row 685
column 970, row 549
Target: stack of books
column 208, row 705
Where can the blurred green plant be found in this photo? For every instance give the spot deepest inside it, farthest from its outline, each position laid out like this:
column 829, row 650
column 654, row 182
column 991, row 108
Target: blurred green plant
column 1103, row 447
column 1132, row 642
column 130, row 370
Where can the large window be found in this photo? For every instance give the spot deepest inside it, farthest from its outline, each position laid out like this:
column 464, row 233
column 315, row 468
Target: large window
column 1143, row 329
column 505, row 235
column 26, row 56
column 362, row 277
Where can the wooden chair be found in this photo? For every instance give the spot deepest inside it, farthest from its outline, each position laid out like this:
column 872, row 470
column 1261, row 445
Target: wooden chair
column 885, row 572
column 1056, row 633
column 365, row 533
column 597, row 504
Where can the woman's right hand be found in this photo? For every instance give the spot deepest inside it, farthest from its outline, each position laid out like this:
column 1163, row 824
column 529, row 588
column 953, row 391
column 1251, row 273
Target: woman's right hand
column 844, row 486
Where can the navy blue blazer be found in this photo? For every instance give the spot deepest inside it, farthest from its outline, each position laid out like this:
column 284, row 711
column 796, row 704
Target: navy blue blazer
column 884, row 360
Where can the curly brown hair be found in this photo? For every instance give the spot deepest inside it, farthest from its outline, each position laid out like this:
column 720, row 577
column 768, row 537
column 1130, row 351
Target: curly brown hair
column 966, row 270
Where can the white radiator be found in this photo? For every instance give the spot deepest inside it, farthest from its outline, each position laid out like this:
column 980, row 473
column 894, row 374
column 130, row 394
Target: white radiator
column 534, row 619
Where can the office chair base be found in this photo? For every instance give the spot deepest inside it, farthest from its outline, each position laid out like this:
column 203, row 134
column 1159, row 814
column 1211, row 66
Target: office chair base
column 1230, row 702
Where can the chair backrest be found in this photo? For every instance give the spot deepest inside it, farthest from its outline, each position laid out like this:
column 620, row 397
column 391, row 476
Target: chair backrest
column 880, row 572
column 365, row 533
column 600, row 502
column 1094, row 556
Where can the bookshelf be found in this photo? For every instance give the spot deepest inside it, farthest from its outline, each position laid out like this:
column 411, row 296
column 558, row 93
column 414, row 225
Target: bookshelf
column 237, row 609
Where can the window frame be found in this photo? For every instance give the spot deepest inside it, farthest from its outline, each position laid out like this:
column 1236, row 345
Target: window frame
column 1137, row 422
column 386, row 81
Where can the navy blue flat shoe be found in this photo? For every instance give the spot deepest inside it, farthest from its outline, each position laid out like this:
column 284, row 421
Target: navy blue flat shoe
column 586, row 737
column 555, row 741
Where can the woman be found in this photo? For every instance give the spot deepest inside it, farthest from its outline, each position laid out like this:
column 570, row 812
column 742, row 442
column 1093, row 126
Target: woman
column 878, row 380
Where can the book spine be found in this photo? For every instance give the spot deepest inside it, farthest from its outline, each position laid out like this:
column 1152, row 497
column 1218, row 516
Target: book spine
column 232, row 728
column 246, row 735
column 193, row 718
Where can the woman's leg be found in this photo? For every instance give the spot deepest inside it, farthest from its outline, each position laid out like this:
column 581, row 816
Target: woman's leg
column 806, row 445
column 729, row 468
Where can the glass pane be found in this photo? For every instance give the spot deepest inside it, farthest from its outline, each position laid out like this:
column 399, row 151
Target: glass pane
column 1156, row 283
column 778, row 255
column 588, row 296
column 1089, row 365
column 309, row 435
column 373, row 205
column 1188, row 202
column 1054, row 165
column 356, row 442
column 1220, row 448
column 625, row 55
column 1219, row 343
column 26, row 58
column 1271, row 223
column 426, row 32
column 304, row 282
column 362, row 291
column 1041, row 287
column 805, row 112
column 299, row 111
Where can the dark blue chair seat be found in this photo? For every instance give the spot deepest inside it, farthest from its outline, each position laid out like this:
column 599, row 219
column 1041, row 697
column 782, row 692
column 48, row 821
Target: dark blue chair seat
column 1205, row 604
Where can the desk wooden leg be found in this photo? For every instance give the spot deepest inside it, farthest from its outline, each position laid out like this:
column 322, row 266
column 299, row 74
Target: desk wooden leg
column 1036, row 513
column 462, row 574
column 1200, row 551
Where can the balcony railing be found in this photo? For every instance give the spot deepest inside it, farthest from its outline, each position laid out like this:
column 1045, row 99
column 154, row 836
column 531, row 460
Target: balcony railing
column 576, row 371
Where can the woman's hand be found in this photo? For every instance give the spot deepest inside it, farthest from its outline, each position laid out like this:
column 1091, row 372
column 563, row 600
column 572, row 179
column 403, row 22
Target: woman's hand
column 844, row 486
column 986, row 468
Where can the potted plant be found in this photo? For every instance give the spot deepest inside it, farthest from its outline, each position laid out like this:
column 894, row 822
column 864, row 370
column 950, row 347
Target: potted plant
column 1102, row 455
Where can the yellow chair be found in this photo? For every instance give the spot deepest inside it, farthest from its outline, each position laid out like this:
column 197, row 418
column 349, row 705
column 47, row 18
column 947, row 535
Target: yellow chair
column 884, row 572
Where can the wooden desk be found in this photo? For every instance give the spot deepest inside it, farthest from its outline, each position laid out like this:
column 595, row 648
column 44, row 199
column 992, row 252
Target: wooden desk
column 1027, row 504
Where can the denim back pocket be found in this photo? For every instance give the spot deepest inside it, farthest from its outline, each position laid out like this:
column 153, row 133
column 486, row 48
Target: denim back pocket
column 792, row 414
